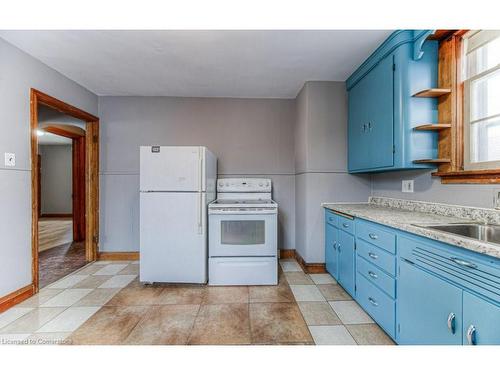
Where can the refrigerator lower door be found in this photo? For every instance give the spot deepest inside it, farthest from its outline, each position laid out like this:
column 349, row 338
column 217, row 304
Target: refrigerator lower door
column 173, row 237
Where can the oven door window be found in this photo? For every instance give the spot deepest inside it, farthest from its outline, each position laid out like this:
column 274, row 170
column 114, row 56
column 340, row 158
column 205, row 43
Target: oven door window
column 243, row 232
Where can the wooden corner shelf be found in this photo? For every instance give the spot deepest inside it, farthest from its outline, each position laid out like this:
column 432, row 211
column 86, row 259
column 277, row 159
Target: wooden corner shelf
column 432, row 127
column 432, row 93
column 432, row 161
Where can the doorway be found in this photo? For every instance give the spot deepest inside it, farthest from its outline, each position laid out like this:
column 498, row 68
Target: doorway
column 64, row 149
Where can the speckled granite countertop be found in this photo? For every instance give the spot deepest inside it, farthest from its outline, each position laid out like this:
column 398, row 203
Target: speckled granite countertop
column 401, row 214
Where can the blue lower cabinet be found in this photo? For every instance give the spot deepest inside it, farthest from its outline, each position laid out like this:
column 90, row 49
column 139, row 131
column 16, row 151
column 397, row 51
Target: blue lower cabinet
column 481, row 321
column 331, row 254
column 375, row 302
column 420, row 291
column 429, row 308
column 347, row 274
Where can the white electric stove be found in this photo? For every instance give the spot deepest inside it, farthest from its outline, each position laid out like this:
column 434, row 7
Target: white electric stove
column 243, row 233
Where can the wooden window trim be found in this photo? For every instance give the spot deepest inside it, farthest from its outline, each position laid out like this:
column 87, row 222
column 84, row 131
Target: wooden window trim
column 450, row 109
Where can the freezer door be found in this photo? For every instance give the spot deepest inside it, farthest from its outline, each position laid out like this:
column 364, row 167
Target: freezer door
column 168, row 168
column 173, row 242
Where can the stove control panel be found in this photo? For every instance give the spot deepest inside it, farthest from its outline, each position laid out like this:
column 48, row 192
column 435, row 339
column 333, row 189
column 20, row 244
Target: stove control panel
column 244, row 185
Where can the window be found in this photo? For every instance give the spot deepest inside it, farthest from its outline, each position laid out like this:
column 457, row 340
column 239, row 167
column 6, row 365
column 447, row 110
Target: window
column 481, row 79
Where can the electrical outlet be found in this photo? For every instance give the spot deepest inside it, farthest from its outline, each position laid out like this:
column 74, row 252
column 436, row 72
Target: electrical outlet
column 496, row 199
column 407, row 186
column 10, row 159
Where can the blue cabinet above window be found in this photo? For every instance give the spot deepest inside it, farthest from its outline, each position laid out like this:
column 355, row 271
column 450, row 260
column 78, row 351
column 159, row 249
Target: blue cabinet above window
column 383, row 111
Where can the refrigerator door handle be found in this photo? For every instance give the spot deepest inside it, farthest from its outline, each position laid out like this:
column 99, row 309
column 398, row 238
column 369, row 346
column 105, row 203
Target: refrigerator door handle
column 200, row 211
column 200, row 169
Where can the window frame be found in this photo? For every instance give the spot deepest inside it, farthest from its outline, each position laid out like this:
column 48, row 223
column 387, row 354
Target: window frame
column 452, row 141
column 466, row 101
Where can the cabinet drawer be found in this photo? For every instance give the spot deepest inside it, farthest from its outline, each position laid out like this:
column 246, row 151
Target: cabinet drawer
column 379, row 237
column 377, row 256
column 377, row 276
column 346, row 224
column 381, row 307
column 331, row 218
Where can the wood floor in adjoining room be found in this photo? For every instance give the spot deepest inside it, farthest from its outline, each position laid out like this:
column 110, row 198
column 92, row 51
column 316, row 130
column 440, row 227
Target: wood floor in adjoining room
column 54, row 232
column 104, row 303
column 58, row 255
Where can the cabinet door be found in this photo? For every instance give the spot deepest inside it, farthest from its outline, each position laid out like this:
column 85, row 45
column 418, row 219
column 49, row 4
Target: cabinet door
column 358, row 157
column 346, row 261
column 331, row 255
column 429, row 309
column 481, row 321
column 379, row 86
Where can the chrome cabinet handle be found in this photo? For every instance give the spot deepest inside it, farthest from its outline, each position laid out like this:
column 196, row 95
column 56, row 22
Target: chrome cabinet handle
column 373, row 236
column 471, row 335
column 451, row 323
column 345, row 225
column 338, row 248
column 372, row 301
column 463, row 263
column 369, row 126
column 373, row 256
column 373, row 275
column 363, row 128
column 335, row 245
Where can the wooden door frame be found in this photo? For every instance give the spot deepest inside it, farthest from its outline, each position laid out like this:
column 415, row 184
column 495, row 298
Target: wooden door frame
column 91, row 175
column 77, row 136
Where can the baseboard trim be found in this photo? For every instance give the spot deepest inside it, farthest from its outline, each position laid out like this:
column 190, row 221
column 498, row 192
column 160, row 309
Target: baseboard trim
column 287, row 253
column 119, row 255
column 56, row 215
column 16, row 297
column 307, row 267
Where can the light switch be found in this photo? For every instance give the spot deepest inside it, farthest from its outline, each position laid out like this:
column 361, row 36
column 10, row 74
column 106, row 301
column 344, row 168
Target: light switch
column 407, row 186
column 10, row 159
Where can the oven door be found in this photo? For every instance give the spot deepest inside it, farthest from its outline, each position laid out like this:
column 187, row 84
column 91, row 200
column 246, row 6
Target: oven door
column 243, row 235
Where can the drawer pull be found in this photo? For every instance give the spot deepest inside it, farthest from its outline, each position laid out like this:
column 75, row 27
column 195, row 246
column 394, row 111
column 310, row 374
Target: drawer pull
column 463, row 263
column 451, row 323
column 335, row 245
column 373, row 236
column 330, row 219
column 373, row 275
column 372, row 301
column 345, row 225
column 373, row 255
column 471, row 335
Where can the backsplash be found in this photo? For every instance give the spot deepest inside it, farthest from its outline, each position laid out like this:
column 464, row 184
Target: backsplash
column 484, row 215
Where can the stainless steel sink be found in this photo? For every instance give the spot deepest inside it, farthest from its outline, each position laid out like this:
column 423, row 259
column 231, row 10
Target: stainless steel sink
column 482, row 232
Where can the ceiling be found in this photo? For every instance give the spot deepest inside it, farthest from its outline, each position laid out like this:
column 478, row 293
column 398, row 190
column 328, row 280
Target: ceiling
column 241, row 64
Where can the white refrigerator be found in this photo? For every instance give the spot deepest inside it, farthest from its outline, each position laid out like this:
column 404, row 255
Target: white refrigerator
column 176, row 185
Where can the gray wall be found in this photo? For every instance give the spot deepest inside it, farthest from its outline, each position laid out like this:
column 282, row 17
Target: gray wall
column 428, row 188
column 251, row 137
column 321, row 163
column 18, row 73
column 56, row 184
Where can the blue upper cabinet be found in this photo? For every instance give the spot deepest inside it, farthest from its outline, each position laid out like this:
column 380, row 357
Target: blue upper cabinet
column 382, row 109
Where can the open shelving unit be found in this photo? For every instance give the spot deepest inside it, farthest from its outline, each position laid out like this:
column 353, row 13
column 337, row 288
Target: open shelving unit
column 432, row 127
column 432, row 93
column 432, row 161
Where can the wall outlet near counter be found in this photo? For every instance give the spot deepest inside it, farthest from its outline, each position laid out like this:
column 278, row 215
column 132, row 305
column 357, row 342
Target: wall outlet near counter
column 496, row 199
column 10, row 159
column 407, row 186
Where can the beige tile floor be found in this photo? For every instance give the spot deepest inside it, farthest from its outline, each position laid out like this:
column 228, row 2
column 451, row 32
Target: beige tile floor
column 104, row 303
